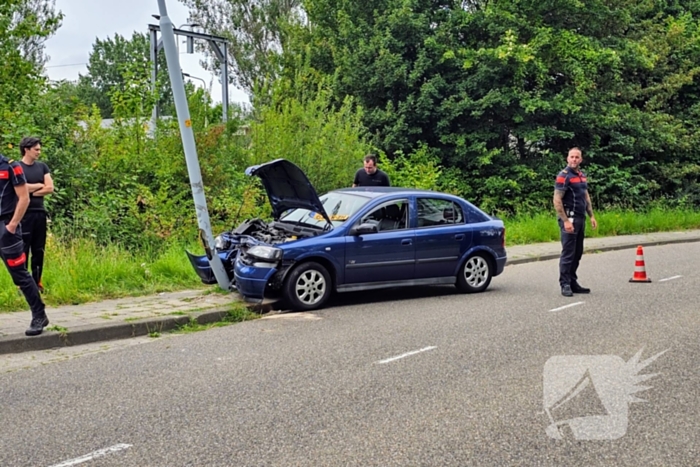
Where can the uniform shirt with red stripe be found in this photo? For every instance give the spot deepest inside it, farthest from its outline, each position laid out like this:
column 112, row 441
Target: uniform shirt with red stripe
column 11, row 175
column 574, row 184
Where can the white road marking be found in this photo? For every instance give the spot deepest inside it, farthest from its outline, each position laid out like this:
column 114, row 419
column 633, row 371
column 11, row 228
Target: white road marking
column 669, row 278
column 567, row 306
column 306, row 316
column 407, row 354
column 93, row 455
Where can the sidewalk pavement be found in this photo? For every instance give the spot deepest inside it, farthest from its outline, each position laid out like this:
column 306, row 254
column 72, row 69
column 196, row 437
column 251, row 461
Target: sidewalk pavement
column 138, row 316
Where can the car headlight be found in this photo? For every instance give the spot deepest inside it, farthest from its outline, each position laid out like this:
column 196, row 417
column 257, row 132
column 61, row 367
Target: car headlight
column 219, row 243
column 265, row 253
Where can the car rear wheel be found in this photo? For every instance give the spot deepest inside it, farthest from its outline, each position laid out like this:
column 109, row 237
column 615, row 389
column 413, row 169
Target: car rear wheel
column 475, row 275
column 307, row 287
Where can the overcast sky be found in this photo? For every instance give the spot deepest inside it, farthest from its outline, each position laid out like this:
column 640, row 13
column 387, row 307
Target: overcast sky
column 86, row 20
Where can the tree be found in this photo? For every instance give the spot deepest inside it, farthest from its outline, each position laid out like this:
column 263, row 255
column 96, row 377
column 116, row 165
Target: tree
column 39, row 21
column 24, row 27
column 256, row 31
column 115, row 61
column 501, row 89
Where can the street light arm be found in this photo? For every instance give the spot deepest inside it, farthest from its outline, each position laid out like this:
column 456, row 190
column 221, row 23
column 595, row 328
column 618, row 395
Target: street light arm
column 204, row 83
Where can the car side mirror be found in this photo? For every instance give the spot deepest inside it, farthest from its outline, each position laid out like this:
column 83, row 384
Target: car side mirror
column 363, row 229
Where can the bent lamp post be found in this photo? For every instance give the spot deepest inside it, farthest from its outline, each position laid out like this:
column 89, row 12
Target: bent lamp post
column 188, row 143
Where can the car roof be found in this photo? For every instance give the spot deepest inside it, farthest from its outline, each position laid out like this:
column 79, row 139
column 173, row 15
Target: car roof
column 374, row 192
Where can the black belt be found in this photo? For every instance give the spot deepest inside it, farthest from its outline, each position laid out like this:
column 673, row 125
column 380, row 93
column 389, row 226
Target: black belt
column 7, row 218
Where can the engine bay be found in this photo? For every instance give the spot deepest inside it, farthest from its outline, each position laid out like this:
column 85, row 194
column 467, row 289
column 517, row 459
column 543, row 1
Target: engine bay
column 274, row 232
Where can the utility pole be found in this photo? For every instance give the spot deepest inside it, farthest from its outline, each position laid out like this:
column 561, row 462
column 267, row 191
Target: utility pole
column 224, row 82
column 153, row 34
column 188, row 143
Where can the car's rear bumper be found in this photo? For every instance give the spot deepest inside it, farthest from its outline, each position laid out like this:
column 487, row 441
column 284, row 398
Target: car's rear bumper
column 500, row 264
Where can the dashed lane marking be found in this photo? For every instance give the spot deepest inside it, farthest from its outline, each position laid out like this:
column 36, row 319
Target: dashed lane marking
column 93, row 455
column 567, row 306
column 407, row 354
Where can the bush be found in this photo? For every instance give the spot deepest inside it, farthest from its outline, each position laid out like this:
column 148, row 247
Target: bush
column 419, row 169
column 327, row 144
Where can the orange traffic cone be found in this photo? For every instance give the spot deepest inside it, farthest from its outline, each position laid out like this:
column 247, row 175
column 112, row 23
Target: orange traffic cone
column 640, row 273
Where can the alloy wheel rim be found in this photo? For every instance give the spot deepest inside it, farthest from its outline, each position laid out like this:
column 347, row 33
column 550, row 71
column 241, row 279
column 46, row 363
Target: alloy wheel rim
column 476, row 271
column 310, row 287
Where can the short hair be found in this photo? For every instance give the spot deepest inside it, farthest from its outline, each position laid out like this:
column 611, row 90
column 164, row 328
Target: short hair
column 371, row 157
column 28, row 143
column 575, row 148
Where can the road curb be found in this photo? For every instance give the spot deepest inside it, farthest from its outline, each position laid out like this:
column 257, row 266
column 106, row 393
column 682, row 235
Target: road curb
column 626, row 246
column 98, row 333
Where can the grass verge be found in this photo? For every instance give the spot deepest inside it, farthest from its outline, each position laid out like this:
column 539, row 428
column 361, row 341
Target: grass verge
column 543, row 227
column 82, row 271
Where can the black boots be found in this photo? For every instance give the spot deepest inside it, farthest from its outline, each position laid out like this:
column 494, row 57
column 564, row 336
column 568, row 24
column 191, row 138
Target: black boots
column 37, row 326
column 569, row 290
column 566, row 290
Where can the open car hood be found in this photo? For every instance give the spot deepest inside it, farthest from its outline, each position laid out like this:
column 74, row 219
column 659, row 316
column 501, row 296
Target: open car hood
column 287, row 187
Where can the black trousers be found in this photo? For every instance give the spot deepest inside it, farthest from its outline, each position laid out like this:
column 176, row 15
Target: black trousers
column 12, row 252
column 571, row 250
column 34, row 237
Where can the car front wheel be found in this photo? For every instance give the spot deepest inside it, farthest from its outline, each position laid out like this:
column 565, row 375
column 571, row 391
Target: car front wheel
column 475, row 275
column 307, row 287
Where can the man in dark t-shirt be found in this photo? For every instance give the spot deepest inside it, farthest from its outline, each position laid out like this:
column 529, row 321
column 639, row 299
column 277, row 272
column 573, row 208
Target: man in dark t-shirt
column 40, row 184
column 370, row 175
column 572, row 202
column 14, row 199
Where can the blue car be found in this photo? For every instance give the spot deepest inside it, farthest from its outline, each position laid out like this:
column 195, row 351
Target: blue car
column 354, row 239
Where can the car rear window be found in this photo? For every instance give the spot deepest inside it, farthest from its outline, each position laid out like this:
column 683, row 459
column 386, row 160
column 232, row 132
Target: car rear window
column 438, row 212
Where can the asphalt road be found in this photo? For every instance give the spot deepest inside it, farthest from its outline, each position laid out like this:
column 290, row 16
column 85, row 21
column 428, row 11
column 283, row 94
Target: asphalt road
column 405, row 377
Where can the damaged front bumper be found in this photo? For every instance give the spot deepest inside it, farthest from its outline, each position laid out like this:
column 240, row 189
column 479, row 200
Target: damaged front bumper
column 258, row 281
column 251, row 281
column 202, row 267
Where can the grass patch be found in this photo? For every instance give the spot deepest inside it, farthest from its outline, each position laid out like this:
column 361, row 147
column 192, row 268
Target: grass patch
column 543, row 227
column 81, row 271
column 59, row 329
column 238, row 313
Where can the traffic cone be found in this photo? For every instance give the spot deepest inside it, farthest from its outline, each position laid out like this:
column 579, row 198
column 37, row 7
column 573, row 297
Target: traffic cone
column 640, row 273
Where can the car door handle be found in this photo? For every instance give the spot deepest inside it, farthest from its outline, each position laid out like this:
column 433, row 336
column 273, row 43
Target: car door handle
column 459, row 237
column 406, row 241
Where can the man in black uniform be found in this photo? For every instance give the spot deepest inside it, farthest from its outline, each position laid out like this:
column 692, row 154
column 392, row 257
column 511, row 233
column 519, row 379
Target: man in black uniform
column 572, row 203
column 370, row 175
column 39, row 184
column 14, row 199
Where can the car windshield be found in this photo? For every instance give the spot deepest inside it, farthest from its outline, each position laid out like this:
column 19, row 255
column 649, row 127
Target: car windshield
column 338, row 206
